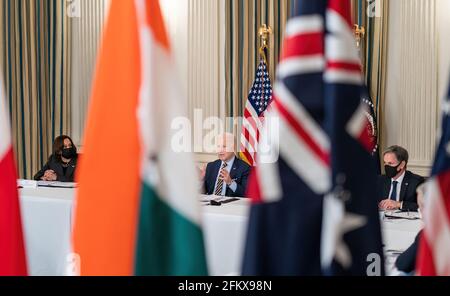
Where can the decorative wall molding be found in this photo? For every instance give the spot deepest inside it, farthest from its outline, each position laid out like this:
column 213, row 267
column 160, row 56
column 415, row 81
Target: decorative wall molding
column 443, row 24
column 411, row 108
column 206, row 63
column 196, row 29
column 197, row 32
column 206, row 79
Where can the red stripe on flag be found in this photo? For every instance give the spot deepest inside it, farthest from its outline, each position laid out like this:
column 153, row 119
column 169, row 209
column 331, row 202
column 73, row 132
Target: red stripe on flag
column 343, row 8
column 12, row 251
column 253, row 122
column 251, row 147
column 303, row 45
column 344, row 66
column 426, row 257
column 247, row 114
column 249, row 157
column 253, row 189
column 444, row 183
column 322, row 155
column 425, row 261
column 253, row 142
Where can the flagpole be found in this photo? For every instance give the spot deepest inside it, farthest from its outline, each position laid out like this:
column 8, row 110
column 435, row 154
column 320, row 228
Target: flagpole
column 264, row 33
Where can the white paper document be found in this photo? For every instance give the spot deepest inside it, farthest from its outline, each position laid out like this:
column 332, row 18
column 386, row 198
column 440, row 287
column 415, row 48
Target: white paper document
column 218, row 198
column 56, row 184
column 401, row 215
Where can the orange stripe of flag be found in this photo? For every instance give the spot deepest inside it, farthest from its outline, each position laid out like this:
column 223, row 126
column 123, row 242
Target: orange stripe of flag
column 156, row 23
column 108, row 175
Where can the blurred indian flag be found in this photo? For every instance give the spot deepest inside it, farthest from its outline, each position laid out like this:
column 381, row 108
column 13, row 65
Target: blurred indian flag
column 137, row 210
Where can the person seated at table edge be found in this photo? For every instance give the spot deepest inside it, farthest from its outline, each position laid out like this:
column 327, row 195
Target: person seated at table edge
column 406, row 261
column 228, row 175
column 62, row 163
column 397, row 188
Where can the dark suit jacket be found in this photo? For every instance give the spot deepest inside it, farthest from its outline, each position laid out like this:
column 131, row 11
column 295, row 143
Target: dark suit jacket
column 406, row 262
column 239, row 172
column 408, row 193
column 56, row 166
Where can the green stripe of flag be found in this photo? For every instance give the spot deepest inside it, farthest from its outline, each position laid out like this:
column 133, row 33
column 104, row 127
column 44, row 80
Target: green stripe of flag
column 168, row 243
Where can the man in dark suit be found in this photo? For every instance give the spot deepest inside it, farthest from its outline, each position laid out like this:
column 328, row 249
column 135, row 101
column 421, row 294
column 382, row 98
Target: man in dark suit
column 228, row 175
column 397, row 188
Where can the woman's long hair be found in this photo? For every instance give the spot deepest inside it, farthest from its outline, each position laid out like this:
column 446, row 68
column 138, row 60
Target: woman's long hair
column 58, row 146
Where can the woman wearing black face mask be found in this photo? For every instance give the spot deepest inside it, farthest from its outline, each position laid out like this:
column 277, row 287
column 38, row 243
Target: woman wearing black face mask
column 62, row 163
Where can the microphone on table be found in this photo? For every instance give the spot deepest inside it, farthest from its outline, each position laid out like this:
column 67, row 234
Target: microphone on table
column 215, row 203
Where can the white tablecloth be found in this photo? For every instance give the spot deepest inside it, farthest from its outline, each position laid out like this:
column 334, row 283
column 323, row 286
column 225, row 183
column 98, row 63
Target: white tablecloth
column 47, row 220
column 225, row 230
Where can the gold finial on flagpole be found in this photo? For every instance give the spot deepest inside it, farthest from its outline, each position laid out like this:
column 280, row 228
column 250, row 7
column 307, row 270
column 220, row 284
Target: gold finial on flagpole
column 359, row 32
column 264, row 33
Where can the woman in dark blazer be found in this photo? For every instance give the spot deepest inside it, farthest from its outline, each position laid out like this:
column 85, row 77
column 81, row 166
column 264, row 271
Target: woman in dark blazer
column 62, row 163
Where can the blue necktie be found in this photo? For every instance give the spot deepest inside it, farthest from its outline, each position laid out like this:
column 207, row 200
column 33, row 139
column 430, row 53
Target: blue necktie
column 394, row 190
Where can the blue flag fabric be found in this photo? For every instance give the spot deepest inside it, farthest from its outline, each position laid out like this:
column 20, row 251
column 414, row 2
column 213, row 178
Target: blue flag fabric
column 314, row 210
column 283, row 236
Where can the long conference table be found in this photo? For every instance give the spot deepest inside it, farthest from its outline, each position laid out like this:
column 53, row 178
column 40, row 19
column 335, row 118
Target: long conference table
column 47, row 220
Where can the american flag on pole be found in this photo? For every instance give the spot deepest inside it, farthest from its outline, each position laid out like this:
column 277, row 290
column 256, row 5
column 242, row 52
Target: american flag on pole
column 323, row 143
column 434, row 255
column 259, row 99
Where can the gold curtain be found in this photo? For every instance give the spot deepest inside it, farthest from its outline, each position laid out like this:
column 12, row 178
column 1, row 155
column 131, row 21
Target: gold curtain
column 35, row 60
column 243, row 20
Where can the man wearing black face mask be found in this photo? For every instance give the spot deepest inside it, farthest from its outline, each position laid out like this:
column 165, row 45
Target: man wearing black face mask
column 62, row 163
column 397, row 188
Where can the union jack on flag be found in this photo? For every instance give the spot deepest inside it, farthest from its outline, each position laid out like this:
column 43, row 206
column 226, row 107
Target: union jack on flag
column 434, row 255
column 259, row 99
column 314, row 210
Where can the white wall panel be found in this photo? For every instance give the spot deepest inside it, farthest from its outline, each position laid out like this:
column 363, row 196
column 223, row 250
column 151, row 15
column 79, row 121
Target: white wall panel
column 197, row 30
column 415, row 78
